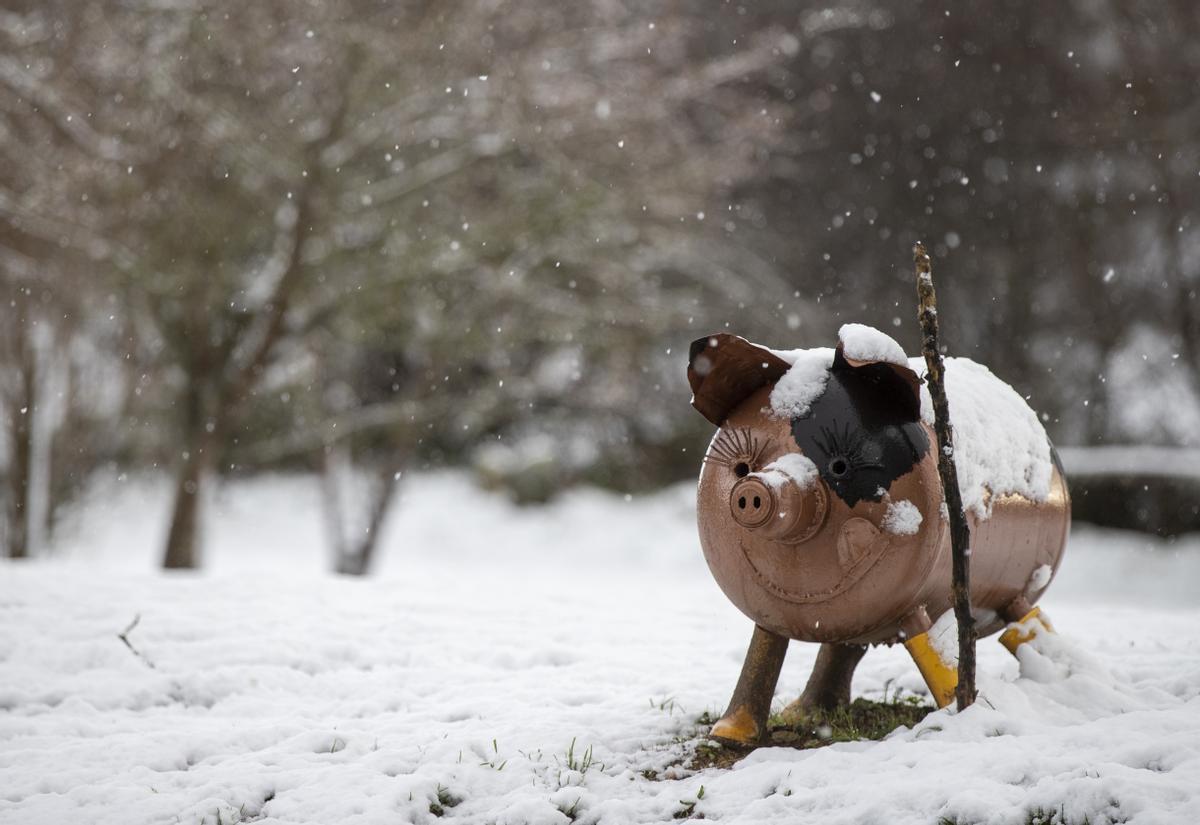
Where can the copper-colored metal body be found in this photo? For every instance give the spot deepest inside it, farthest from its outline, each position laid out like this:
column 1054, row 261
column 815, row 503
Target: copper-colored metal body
column 805, row 562
column 850, row 580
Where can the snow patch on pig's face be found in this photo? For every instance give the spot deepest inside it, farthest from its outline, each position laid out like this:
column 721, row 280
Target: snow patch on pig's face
column 861, row 432
column 789, row 467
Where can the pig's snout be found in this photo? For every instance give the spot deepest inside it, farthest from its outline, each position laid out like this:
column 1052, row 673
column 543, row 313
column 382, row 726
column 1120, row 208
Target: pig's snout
column 753, row 503
column 784, row 512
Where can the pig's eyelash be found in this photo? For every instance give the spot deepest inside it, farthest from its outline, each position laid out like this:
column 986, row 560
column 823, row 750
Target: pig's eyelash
column 849, row 444
column 733, row 447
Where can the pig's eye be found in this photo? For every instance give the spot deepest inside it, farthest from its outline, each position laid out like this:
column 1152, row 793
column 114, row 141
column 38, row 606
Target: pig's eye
column 849, row 451
column 739, row 450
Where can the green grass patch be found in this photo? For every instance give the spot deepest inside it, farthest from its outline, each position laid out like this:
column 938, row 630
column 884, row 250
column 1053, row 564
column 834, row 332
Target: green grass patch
column 861, row 719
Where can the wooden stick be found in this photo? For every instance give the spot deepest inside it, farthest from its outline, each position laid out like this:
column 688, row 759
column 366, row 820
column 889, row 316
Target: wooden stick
column 960, row 533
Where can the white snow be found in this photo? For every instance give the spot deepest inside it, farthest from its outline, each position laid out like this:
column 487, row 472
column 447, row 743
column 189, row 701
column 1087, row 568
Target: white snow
column 1152, row 394
column 902, row 518
column 795, row 467
column 943, row 638
column 794, row 393
column 1000, row 447
column 1038, row 579
column 494, row 637
column 1179, row 462
column 863, row 343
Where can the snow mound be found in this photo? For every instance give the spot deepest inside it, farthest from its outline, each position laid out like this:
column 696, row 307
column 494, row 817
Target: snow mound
column 863, row 343
column 1000, row 447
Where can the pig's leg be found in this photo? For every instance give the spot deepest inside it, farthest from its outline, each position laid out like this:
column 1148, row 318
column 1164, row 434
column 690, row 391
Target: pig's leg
column 1025, row 623
column 829, row 685
column 940, row 675
column 745, row 721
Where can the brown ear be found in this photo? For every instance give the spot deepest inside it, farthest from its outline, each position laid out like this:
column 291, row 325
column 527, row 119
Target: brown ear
column 724, row 370
column 906, row 383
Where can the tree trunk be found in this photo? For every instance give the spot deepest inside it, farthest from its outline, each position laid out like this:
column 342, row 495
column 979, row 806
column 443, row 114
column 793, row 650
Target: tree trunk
column 20, row 471
column 200, row 440
column 358, row 561
column 354, row 544
column 183, row 538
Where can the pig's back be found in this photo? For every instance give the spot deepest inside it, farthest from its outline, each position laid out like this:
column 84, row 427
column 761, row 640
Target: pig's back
column 1013, row 490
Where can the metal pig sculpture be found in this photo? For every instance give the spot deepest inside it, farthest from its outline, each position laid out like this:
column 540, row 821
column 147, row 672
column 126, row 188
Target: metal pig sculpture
column 821, row 512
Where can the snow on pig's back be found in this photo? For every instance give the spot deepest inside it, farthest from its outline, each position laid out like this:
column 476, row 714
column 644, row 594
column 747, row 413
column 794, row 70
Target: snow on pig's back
column 1000, row 446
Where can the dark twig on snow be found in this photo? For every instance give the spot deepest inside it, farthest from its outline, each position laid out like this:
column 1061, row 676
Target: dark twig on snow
column 960, row 533
column 124, row 637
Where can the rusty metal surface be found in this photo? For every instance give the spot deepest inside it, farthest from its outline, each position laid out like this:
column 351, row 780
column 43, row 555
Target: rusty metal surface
column 828, row 571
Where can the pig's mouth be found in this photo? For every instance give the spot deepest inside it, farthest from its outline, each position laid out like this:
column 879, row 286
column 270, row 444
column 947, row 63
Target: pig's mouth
column 779, row 567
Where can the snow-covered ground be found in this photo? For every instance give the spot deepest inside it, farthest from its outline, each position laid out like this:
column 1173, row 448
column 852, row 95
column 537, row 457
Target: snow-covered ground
column 526, row 666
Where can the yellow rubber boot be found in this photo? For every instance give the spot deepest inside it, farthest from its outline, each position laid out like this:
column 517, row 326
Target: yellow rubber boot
column 1028, row 627
column 940, row 676
column 738, row 727
column 744, row 722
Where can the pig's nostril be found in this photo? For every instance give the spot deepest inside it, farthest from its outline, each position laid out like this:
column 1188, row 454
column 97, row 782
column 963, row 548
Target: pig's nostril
column 757, row 502
column 742, row 503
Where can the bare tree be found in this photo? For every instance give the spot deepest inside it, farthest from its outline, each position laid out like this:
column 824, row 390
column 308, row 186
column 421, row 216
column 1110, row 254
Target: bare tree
column 51, row 235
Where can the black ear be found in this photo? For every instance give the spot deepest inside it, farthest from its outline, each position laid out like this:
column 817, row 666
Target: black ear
column 724, row 370
column 893, row 380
